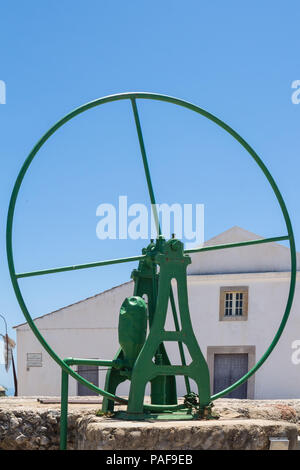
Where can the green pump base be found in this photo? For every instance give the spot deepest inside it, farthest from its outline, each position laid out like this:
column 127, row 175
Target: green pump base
column 182, row 415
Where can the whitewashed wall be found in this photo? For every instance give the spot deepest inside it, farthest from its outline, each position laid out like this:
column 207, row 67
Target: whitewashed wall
column 89, row 330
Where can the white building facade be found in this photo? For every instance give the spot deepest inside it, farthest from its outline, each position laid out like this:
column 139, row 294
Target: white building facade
column 237, row 298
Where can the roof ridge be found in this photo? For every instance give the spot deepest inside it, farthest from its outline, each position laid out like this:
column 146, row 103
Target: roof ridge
column 75, row 303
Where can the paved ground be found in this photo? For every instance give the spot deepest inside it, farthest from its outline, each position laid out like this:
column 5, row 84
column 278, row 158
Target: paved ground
column 287, row 409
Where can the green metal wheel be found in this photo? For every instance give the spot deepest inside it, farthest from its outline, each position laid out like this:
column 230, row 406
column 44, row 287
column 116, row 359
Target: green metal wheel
column 133, row 97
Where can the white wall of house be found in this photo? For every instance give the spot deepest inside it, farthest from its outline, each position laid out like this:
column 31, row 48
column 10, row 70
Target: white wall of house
column 88, row 329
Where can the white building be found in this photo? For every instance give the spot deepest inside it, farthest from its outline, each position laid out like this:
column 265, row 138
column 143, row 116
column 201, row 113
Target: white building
column 236, row 297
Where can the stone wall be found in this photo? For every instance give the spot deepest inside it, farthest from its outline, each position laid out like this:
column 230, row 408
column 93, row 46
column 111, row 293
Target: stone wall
column 249, row 434
column 243, row 424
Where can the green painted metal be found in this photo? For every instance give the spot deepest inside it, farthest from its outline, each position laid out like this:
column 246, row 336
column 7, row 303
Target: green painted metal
column 236, row 245
column 132, row 328
column 180, row 345
column 72, row 361
column 64, row 409
column 173, row 264
column 160, row 366
column 140, row 257
column 163, row 388
column 79, row 266
column 146, row 166
column 182, row 415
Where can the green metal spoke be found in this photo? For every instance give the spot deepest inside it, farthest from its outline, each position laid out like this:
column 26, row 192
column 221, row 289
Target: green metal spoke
column 235, row 245
column 138, row 258
column 146, row 166
column 80, row 266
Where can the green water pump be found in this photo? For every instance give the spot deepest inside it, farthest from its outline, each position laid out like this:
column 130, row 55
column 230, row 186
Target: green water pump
column 142, row 357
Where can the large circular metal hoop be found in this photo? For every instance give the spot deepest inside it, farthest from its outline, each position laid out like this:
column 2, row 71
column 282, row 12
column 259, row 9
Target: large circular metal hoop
column 9, row 229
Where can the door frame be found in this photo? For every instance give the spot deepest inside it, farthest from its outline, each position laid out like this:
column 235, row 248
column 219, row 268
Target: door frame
column 250, row 350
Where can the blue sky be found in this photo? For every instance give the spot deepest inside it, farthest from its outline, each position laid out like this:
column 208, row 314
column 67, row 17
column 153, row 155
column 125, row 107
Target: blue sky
column 236, row 60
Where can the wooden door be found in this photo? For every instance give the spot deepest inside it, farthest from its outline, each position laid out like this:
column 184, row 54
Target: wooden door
column 228, row 368
column 91, row 374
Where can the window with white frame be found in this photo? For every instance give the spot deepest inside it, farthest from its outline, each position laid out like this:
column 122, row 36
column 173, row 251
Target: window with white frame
column 234, row 303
